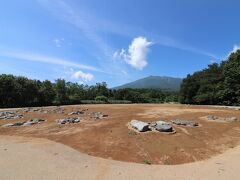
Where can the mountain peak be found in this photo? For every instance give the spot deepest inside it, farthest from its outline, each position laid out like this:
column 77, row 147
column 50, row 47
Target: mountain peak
column 154, row 82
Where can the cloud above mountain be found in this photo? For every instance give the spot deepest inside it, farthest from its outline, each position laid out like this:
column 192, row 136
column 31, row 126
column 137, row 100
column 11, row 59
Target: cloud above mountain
column 136, row 55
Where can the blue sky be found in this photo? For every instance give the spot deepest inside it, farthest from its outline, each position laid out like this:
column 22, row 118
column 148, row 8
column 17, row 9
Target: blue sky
column 116, row 41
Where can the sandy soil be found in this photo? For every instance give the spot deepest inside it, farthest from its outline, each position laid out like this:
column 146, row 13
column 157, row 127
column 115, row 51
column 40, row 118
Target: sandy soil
column 111, row 139
column 34, row 159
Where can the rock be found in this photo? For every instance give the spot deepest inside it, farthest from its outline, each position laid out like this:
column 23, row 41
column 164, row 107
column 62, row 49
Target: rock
column 7, row 125
column 26, row 123
column 18, row 123
column 76, row 113
column 6, row 115
column 212, row 117
column 29, row 123
column 231, row 119
column 98, row 115
column 163, row 126
column 36, row 109
column 77, row 120
column 69, row 120
column 139, row 125
column 34, row 121
column 185, row 122
column 37, row 120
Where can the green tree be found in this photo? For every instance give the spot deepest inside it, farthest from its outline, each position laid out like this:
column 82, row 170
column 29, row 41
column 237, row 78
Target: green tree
column 61, row 92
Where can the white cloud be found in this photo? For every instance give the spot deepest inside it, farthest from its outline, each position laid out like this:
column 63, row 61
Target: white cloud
column 27, row 56
column 90, row 24
column 82, row 77
column 137, row 53
column 59, row 42
column 235, row 48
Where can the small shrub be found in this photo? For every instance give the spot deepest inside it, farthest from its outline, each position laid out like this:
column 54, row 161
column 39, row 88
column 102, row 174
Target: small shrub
column 146, row 162
column 132, row 133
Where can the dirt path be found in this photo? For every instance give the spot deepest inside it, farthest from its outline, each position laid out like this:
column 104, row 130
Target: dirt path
column 28, row 158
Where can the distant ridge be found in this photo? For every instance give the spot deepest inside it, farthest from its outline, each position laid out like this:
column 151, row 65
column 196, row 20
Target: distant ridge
column 154, row 82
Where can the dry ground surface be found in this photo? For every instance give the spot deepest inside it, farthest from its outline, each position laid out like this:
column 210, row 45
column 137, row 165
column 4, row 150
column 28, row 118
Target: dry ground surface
column 24, row 158
column 110, row 138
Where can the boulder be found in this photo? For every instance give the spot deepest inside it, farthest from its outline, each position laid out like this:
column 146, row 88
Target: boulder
column 139, row 125
column 163, row 126
column 185, row 122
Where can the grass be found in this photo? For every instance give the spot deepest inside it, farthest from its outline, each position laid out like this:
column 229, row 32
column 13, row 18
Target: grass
column 166, row 162
column 146, row 162
column 132, row 133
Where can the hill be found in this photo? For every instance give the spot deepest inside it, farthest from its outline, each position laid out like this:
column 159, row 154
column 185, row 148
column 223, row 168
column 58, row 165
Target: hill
column 154, row 82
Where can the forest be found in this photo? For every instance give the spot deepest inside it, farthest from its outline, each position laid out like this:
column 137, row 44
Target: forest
column 18, row 91
column 218, row 84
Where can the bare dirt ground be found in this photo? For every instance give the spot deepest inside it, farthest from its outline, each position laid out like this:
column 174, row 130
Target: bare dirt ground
column 24, row 158
column 110, row 138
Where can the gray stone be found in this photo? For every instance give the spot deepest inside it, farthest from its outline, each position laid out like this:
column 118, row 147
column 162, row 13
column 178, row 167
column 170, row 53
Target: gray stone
column 7, row 125
column 6, row 115
column 18, row 124
column 76, row 113
column 231, row 119
column 69, row 120
column 185, row 122
column 29, row 123
column 98, row 115
column 212, row 117
column 161, row 126
column 139, row 125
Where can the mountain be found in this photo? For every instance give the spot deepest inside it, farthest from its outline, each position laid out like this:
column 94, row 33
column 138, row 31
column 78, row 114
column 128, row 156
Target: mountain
column 154, row 82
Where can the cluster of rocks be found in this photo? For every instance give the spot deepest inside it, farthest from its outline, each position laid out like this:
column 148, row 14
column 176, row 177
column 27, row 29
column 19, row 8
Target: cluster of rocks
column 69, row 120
column 25, row 123
column 58, row 110
column 184, row 122
column 212, row 117
column 6, row 115
column 160, row 126
column 98, row 115
column 237, row 108
column 31, row 110
column 77, row 112
column 227, row 119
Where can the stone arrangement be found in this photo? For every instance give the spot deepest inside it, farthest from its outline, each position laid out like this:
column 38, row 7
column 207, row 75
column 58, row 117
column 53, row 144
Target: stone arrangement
column 98, row 115
column 69, row 120
column 160, row 126
column 6, row 115
column 25, row 123
column 185, row 122
column 77, row 112
column 227, row 119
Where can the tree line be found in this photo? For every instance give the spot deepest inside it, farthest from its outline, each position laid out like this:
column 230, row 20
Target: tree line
column 217, row 84
column 18, row 91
